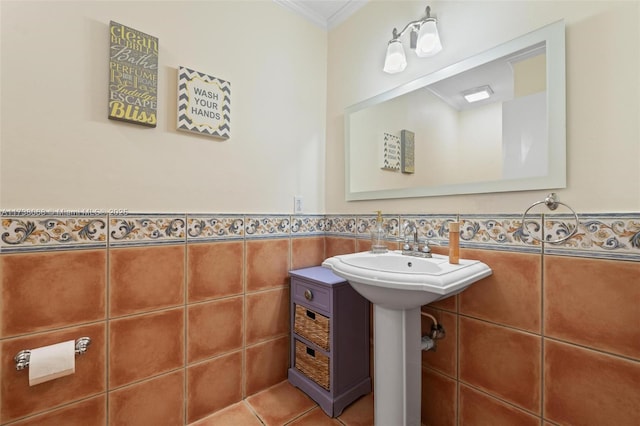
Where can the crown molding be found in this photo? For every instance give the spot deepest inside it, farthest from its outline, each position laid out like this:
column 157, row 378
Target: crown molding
column 348, row 8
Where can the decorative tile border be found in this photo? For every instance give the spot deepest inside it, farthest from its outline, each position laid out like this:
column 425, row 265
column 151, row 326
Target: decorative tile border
column 307, row 225
column 136, row 229
column 267, row 226
column 432, row 227
column 498, row 232
column 364, row 225
column 214, row 227
column 609, row 236
column 52, row 233
column 599, row 235
column 341, row 225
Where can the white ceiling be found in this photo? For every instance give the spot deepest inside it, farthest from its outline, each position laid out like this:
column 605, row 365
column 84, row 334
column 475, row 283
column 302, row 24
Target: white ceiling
column 323, row 13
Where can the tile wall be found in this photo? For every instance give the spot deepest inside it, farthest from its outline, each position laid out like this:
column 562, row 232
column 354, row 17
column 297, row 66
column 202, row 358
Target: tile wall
column 189, row 314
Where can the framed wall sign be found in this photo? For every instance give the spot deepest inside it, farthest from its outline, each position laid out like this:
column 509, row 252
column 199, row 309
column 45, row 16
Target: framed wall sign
column 204, row 104
column 133, row 76
column 390, row 152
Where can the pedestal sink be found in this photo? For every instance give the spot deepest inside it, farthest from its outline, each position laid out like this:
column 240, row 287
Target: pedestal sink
column 398, row 285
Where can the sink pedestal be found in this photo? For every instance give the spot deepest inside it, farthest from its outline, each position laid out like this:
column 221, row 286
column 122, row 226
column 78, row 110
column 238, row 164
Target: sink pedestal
column 397, row 366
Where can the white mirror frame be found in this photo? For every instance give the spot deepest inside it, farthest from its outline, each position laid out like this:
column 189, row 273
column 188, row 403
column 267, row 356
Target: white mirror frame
column 554, row 37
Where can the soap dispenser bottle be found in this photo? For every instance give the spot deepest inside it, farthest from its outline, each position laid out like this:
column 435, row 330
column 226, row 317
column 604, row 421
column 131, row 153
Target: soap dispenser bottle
column 378, row 236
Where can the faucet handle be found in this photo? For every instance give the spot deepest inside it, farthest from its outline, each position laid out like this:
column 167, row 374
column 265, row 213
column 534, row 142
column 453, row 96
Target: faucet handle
column 425, row 245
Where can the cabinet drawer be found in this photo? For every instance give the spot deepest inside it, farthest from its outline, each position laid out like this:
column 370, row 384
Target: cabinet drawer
column 311, row 295
column 313, row 364
column 312, row 326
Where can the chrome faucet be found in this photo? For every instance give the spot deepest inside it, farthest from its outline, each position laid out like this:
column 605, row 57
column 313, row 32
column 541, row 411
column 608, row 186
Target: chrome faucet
column 414, row 249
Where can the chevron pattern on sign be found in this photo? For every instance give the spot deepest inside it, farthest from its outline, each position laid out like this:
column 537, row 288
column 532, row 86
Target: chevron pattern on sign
column 204, row 104
column 390, row 152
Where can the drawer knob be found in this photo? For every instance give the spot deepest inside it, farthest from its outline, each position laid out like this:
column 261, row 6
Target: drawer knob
column 308, row 295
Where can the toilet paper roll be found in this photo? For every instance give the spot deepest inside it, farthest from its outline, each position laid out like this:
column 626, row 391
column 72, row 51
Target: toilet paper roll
column 50, row 362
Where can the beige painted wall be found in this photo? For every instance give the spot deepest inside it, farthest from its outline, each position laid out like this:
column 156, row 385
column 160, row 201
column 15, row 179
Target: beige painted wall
column 59, row 150
column 290, row 84
column 603, row 93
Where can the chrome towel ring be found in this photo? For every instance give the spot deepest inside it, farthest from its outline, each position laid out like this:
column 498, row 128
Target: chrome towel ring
column 551, row 201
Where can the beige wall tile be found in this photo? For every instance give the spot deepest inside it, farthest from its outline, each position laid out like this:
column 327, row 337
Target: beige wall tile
column 214, row 270
column 214, row 328
column 503, row 362
column 145, row 278
column 593, row 302
column 90, row 412
column 477, row 408
column 213, row 385
column 511, row 295
column 158, row 402
column 307, row 252
column 267, row 314
column 42, row 291
column 439, row 402
column 18, row 399
column 339, row 245
column 589, row 388
column 145, row 345
column 266, row 364
column 445, row 357
column 267, row 264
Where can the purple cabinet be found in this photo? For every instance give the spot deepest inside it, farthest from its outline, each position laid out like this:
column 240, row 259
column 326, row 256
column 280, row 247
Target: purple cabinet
column 329, row 339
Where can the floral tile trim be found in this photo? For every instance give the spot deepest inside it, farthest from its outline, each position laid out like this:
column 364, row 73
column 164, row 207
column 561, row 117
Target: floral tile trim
column 600, row 235
column 364, row 225
column 614, row 236
column 499, row 232
column 267, row 226
column 341, row 225
column 307, row 225
column 434, row 228
column 211, row 227
column 142, row 229
column 52, row 233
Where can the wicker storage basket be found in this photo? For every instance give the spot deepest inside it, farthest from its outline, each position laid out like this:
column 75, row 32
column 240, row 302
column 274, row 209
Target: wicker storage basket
column 312, row 326
column 313, row 364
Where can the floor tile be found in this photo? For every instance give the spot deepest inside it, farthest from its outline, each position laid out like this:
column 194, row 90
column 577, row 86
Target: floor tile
column 283, row 404
column 236, row 414
column 360, row 413
column 315, row 417
column 280, row 404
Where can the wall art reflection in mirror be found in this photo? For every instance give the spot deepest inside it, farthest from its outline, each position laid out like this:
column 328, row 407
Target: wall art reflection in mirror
column 493, row 122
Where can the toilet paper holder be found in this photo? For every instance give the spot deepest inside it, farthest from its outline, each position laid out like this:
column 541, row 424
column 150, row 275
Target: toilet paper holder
column 22, row 357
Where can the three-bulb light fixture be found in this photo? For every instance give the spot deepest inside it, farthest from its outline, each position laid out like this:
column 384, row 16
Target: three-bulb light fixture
column 424, row 40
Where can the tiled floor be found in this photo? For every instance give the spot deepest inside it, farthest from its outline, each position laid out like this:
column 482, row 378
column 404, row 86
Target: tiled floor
column 284, row 404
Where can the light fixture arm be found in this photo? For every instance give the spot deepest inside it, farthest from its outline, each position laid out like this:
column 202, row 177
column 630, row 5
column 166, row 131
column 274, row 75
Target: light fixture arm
column 413, row 25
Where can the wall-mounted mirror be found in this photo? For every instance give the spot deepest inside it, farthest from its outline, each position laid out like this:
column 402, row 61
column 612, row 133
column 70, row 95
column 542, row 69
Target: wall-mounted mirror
column 491, row 123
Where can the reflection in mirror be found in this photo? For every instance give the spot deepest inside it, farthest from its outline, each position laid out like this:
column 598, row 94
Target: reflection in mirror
column 493, row 122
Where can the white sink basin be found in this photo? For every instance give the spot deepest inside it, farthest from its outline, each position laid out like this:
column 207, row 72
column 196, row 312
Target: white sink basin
column 398, row 281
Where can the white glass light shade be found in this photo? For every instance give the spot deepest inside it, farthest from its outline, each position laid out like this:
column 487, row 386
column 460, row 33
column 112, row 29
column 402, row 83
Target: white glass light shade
column 395, row 61
column 428, row 40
